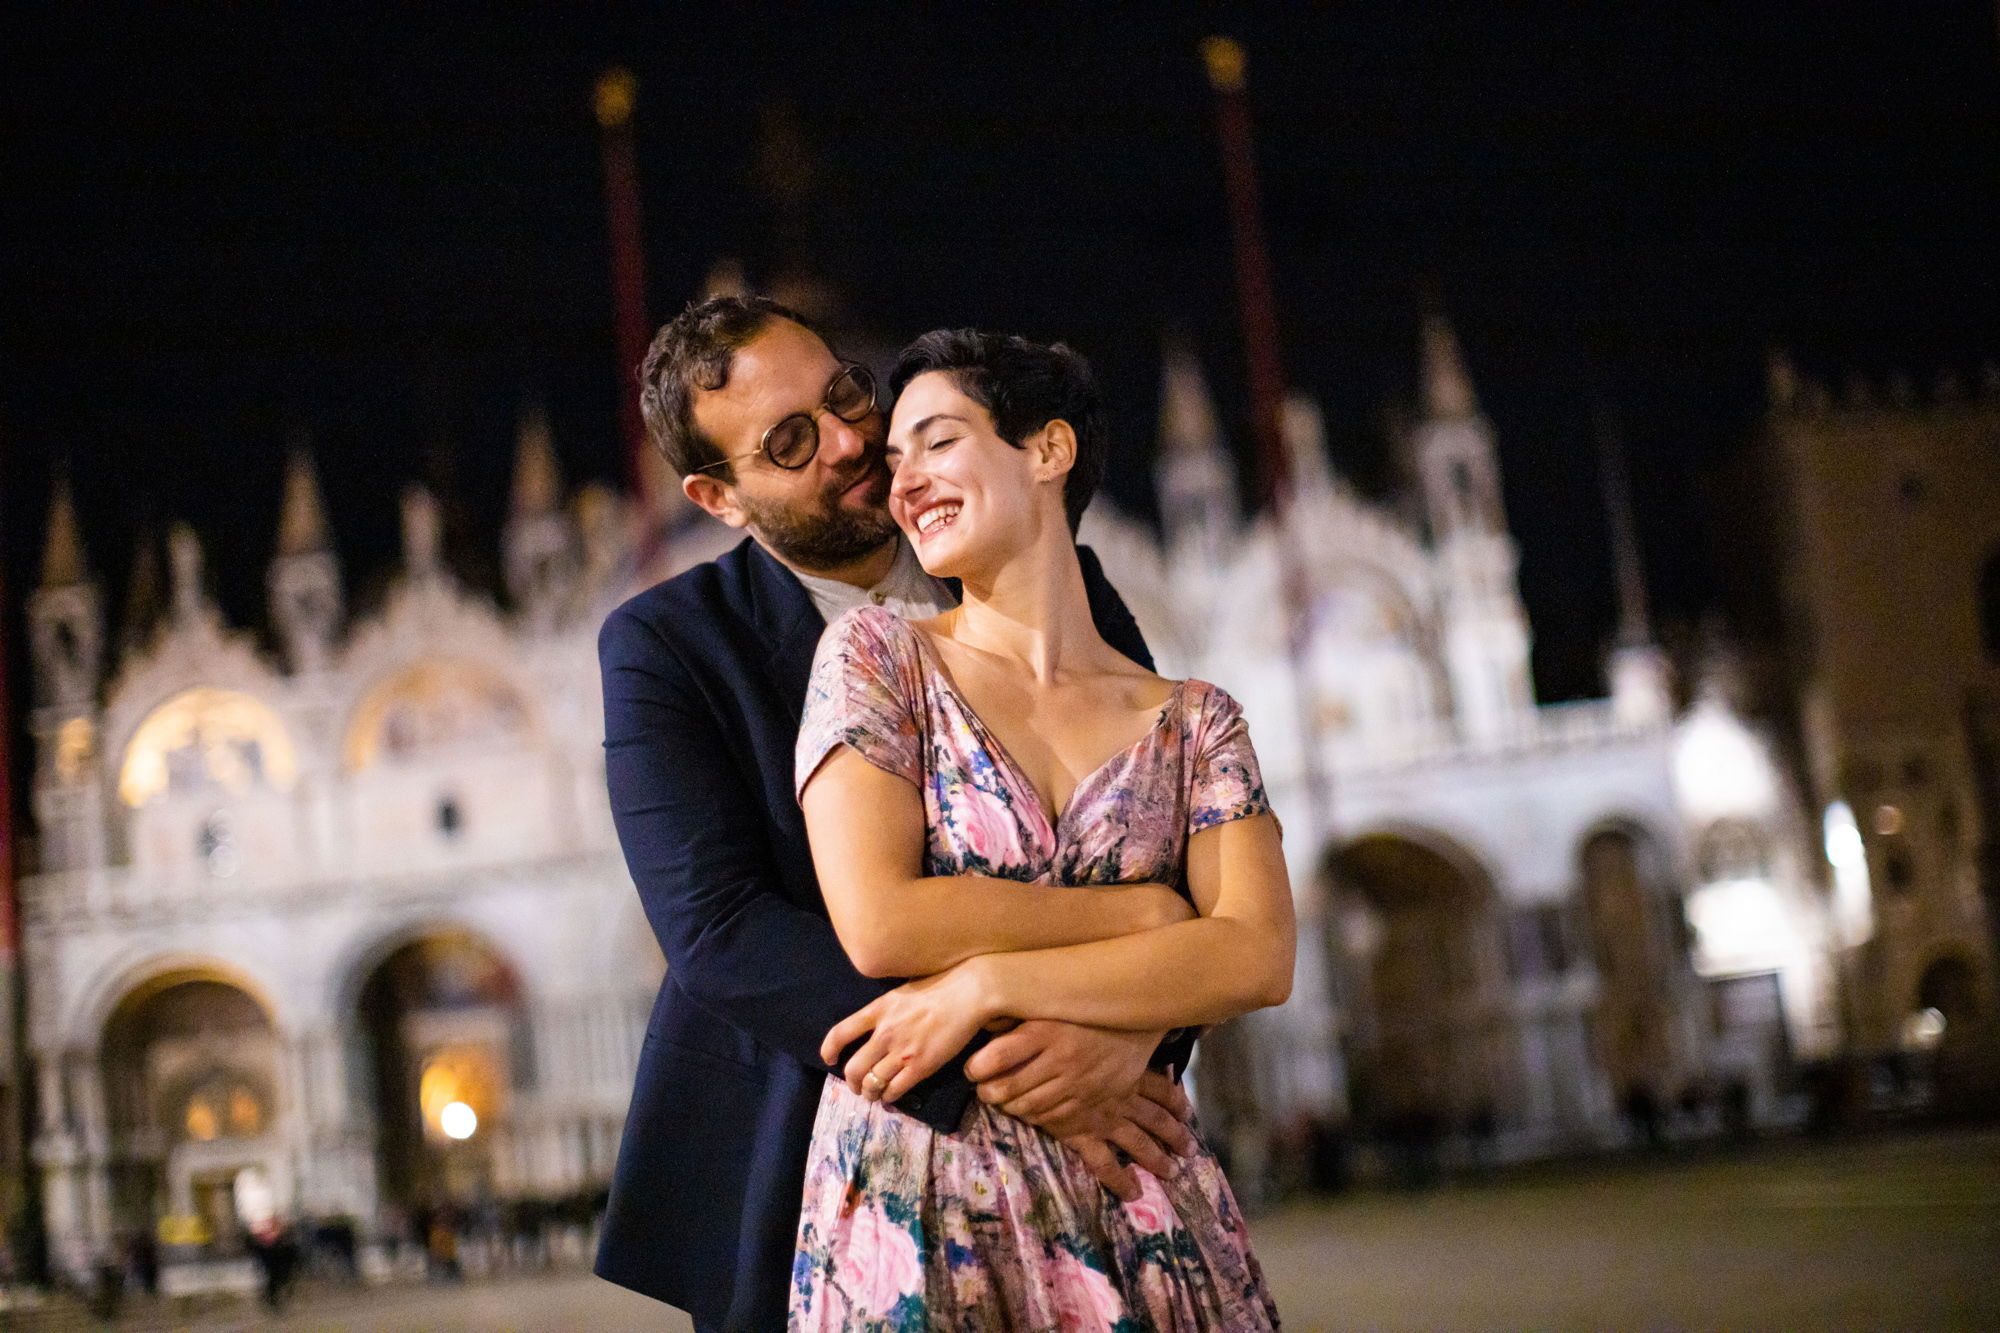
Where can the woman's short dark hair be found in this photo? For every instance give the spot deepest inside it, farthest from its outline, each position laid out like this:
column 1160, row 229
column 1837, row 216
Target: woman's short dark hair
column 695, row 350
column 1024, row 386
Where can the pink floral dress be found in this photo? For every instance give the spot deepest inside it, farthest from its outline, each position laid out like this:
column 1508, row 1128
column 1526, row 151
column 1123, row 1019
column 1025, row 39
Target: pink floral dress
column 998, row 1226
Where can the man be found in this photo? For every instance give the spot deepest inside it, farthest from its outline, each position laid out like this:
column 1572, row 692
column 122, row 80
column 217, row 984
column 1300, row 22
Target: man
column 704, row 682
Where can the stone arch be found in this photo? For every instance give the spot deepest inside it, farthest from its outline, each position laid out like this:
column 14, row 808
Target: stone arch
column 1417, row 942
column 94, row 1006
column 368, row 950
column 1374, row 666
column 205, row 737
column 434, row 705
column 436, row 1015
column 1639, row 939
column 1951, row 991
column 192, row 1073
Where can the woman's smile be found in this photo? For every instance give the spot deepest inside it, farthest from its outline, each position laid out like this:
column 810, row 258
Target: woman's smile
column 934, row 518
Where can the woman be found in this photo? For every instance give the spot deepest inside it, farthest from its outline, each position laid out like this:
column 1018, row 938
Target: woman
column 1004, row 740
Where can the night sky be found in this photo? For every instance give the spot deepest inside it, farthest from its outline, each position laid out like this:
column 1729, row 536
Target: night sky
column 224, row 227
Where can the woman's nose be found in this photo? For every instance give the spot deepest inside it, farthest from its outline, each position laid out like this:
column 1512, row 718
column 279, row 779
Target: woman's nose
column 907, row 479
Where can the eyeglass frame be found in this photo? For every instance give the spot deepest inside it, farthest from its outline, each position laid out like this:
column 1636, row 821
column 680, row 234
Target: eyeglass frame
column 848, row 369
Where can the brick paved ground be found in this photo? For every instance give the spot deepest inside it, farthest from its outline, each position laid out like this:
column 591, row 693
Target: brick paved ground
column 1891, row 1232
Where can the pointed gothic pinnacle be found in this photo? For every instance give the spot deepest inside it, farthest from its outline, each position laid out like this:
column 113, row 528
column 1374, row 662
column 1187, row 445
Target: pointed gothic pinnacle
column 1781, row 380
column 1187, row 411
column 1447, row 388
column 302, row 522
column 1305, row 442
column 142, row 594
column 420, row 532
column 62, row 551
column 725, row 278
column 184, row 556
column 537, row 481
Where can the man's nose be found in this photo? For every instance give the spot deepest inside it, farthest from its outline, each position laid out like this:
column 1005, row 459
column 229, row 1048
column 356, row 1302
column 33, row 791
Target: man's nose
column 840, row 441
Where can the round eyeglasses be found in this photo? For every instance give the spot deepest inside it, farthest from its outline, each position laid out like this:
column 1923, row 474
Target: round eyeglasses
column 792, row 443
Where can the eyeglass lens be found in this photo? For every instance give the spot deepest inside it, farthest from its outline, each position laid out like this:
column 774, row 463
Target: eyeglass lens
column 793, row 441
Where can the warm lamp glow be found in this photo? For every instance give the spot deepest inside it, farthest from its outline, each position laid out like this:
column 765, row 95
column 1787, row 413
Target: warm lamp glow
column 460, row 1087
column 458, row 1121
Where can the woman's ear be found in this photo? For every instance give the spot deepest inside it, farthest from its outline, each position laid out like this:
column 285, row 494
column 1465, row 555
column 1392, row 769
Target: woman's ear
column 1054, row 447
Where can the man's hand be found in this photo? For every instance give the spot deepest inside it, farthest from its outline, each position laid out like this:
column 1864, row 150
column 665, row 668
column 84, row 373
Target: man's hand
column 1150, row 1127
column 1043, row 1070
column 1090, row 1088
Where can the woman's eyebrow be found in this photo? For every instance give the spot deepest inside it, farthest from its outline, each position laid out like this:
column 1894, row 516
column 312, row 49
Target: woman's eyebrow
column 932, row 420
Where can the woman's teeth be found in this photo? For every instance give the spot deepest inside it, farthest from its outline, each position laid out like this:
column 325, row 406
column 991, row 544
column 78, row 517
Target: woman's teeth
column 933, row 519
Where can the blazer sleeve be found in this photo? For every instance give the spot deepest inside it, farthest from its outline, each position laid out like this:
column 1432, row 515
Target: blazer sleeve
column 687, row 821
column 1108, row 609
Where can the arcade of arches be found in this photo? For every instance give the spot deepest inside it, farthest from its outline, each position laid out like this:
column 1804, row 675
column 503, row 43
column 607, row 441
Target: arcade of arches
column 204, row 1104
column 1463, row 1013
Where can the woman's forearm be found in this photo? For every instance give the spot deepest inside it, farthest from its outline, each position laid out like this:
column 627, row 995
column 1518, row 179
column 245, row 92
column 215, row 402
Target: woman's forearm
column 1184, row 975
column 916, row 927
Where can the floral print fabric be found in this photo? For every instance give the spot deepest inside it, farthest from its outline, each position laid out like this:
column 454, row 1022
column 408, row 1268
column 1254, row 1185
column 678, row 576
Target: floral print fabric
column 998, row 1226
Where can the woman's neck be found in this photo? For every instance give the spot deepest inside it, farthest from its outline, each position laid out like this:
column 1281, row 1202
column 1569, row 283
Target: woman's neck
column 1033, row 609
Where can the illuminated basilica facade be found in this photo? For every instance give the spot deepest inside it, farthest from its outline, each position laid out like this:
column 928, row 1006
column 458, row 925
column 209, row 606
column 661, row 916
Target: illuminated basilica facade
column 342, row 934
column 344, row 930
column 1524, row 928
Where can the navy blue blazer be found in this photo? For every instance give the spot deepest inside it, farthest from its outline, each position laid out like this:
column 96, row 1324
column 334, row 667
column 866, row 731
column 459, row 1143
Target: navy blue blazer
column 704, row 684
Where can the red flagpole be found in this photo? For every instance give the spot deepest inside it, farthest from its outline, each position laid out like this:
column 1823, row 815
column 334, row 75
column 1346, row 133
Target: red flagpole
column 1253, row 267
column 1254, row 290
column 617, row 94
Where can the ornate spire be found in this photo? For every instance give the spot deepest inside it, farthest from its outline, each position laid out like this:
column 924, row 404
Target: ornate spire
column 1187, row 412
column 725, row 278
column 62, row 551
column 1197, row 485
column 420, row 532
column 1781, row 380
column 302, row 523
column 1447, row 388
column 537, row 480
column 1305, row 442
column 1634, row 618
column 184, row 557
column 142, row 594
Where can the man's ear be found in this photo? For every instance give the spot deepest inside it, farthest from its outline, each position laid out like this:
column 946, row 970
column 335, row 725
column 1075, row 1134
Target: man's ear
column 1054, row 446
column 716, row 497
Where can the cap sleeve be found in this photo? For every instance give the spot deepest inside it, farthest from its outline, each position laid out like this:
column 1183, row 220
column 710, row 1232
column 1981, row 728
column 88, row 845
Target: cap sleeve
column 1227, row 783
column 863, row 694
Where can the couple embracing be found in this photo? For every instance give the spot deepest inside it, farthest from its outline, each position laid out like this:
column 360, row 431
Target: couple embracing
column 945, row 875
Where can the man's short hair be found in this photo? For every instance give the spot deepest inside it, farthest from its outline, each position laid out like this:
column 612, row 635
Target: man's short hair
column 696, row 350
column 1024, row 386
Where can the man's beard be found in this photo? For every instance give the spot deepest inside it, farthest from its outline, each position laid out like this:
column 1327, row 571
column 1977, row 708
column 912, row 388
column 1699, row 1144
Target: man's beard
column 825, row 536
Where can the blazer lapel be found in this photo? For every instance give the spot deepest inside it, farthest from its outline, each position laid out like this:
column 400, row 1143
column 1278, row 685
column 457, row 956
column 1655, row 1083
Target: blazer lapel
column 790, row 624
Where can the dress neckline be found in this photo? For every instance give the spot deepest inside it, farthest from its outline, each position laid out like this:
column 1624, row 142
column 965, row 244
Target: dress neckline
column 997, row 748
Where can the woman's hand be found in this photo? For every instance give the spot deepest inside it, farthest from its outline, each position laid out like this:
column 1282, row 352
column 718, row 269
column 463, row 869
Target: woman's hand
column 911, row 1031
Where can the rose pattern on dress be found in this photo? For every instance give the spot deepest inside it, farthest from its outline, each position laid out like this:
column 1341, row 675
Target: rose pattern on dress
column 1002, row 1228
